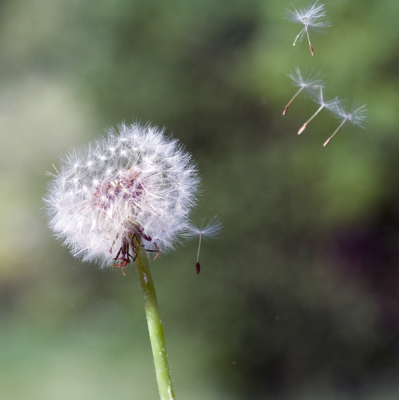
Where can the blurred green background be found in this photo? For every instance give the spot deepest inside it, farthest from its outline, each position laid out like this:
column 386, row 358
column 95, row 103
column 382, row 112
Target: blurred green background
column 299, row 297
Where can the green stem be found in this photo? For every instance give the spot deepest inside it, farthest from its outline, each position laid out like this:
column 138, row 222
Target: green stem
column 154, row 326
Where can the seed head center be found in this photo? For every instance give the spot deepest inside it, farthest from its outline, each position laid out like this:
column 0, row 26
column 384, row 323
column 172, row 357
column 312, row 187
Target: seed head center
column 125, row 187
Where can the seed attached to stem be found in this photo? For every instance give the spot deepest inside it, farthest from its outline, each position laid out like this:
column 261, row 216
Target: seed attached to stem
column 355, row 115
column 307, row 81
column 313, row 17
column 210, row 231
column 319, row 98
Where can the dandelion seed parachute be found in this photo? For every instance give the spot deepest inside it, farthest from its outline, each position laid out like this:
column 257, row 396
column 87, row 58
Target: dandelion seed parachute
column 135, row 183
column 355, row 115
column 313, row 18
column 210, row 231
column 307, row 81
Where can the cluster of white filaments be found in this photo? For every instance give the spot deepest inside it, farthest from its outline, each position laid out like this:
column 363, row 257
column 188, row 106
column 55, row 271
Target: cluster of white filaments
column 134, row 187
column 356, row 114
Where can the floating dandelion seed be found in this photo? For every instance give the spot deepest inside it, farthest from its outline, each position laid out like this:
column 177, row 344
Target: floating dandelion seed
column 312, row 17
column 303, row 81
column 319, row 98
column 357, row 115
column 210, row 231
column 135, row 187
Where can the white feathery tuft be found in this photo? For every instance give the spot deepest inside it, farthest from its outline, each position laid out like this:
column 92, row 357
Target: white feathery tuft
column 355, row 114
column 211, row 230
column 307, row 80
column 318, row 97
column 134, row 182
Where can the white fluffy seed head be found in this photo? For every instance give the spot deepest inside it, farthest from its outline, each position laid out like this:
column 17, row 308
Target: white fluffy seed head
column 134, row 181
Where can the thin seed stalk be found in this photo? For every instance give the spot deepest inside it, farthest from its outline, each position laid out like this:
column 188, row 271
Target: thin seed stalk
column 339, row 127
column 155, row 326
column 297, row 36
column 303, row 127
column 293, row 98
column 310, row 44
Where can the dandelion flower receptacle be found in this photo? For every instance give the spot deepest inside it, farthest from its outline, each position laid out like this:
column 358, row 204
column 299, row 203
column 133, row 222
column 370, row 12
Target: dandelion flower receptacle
column 122, row 198
column 313, row 18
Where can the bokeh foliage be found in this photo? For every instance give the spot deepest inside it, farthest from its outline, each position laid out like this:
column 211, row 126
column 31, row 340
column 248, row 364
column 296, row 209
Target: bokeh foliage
column 299, row 298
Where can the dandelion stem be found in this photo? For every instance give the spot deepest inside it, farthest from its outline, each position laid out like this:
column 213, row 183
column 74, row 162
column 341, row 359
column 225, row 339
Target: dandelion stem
column 296, row 94
column 339, row 127
column 155, row 327
column 304, row 125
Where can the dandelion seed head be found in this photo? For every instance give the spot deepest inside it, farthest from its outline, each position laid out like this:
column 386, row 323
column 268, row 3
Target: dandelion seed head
column 143, row 184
